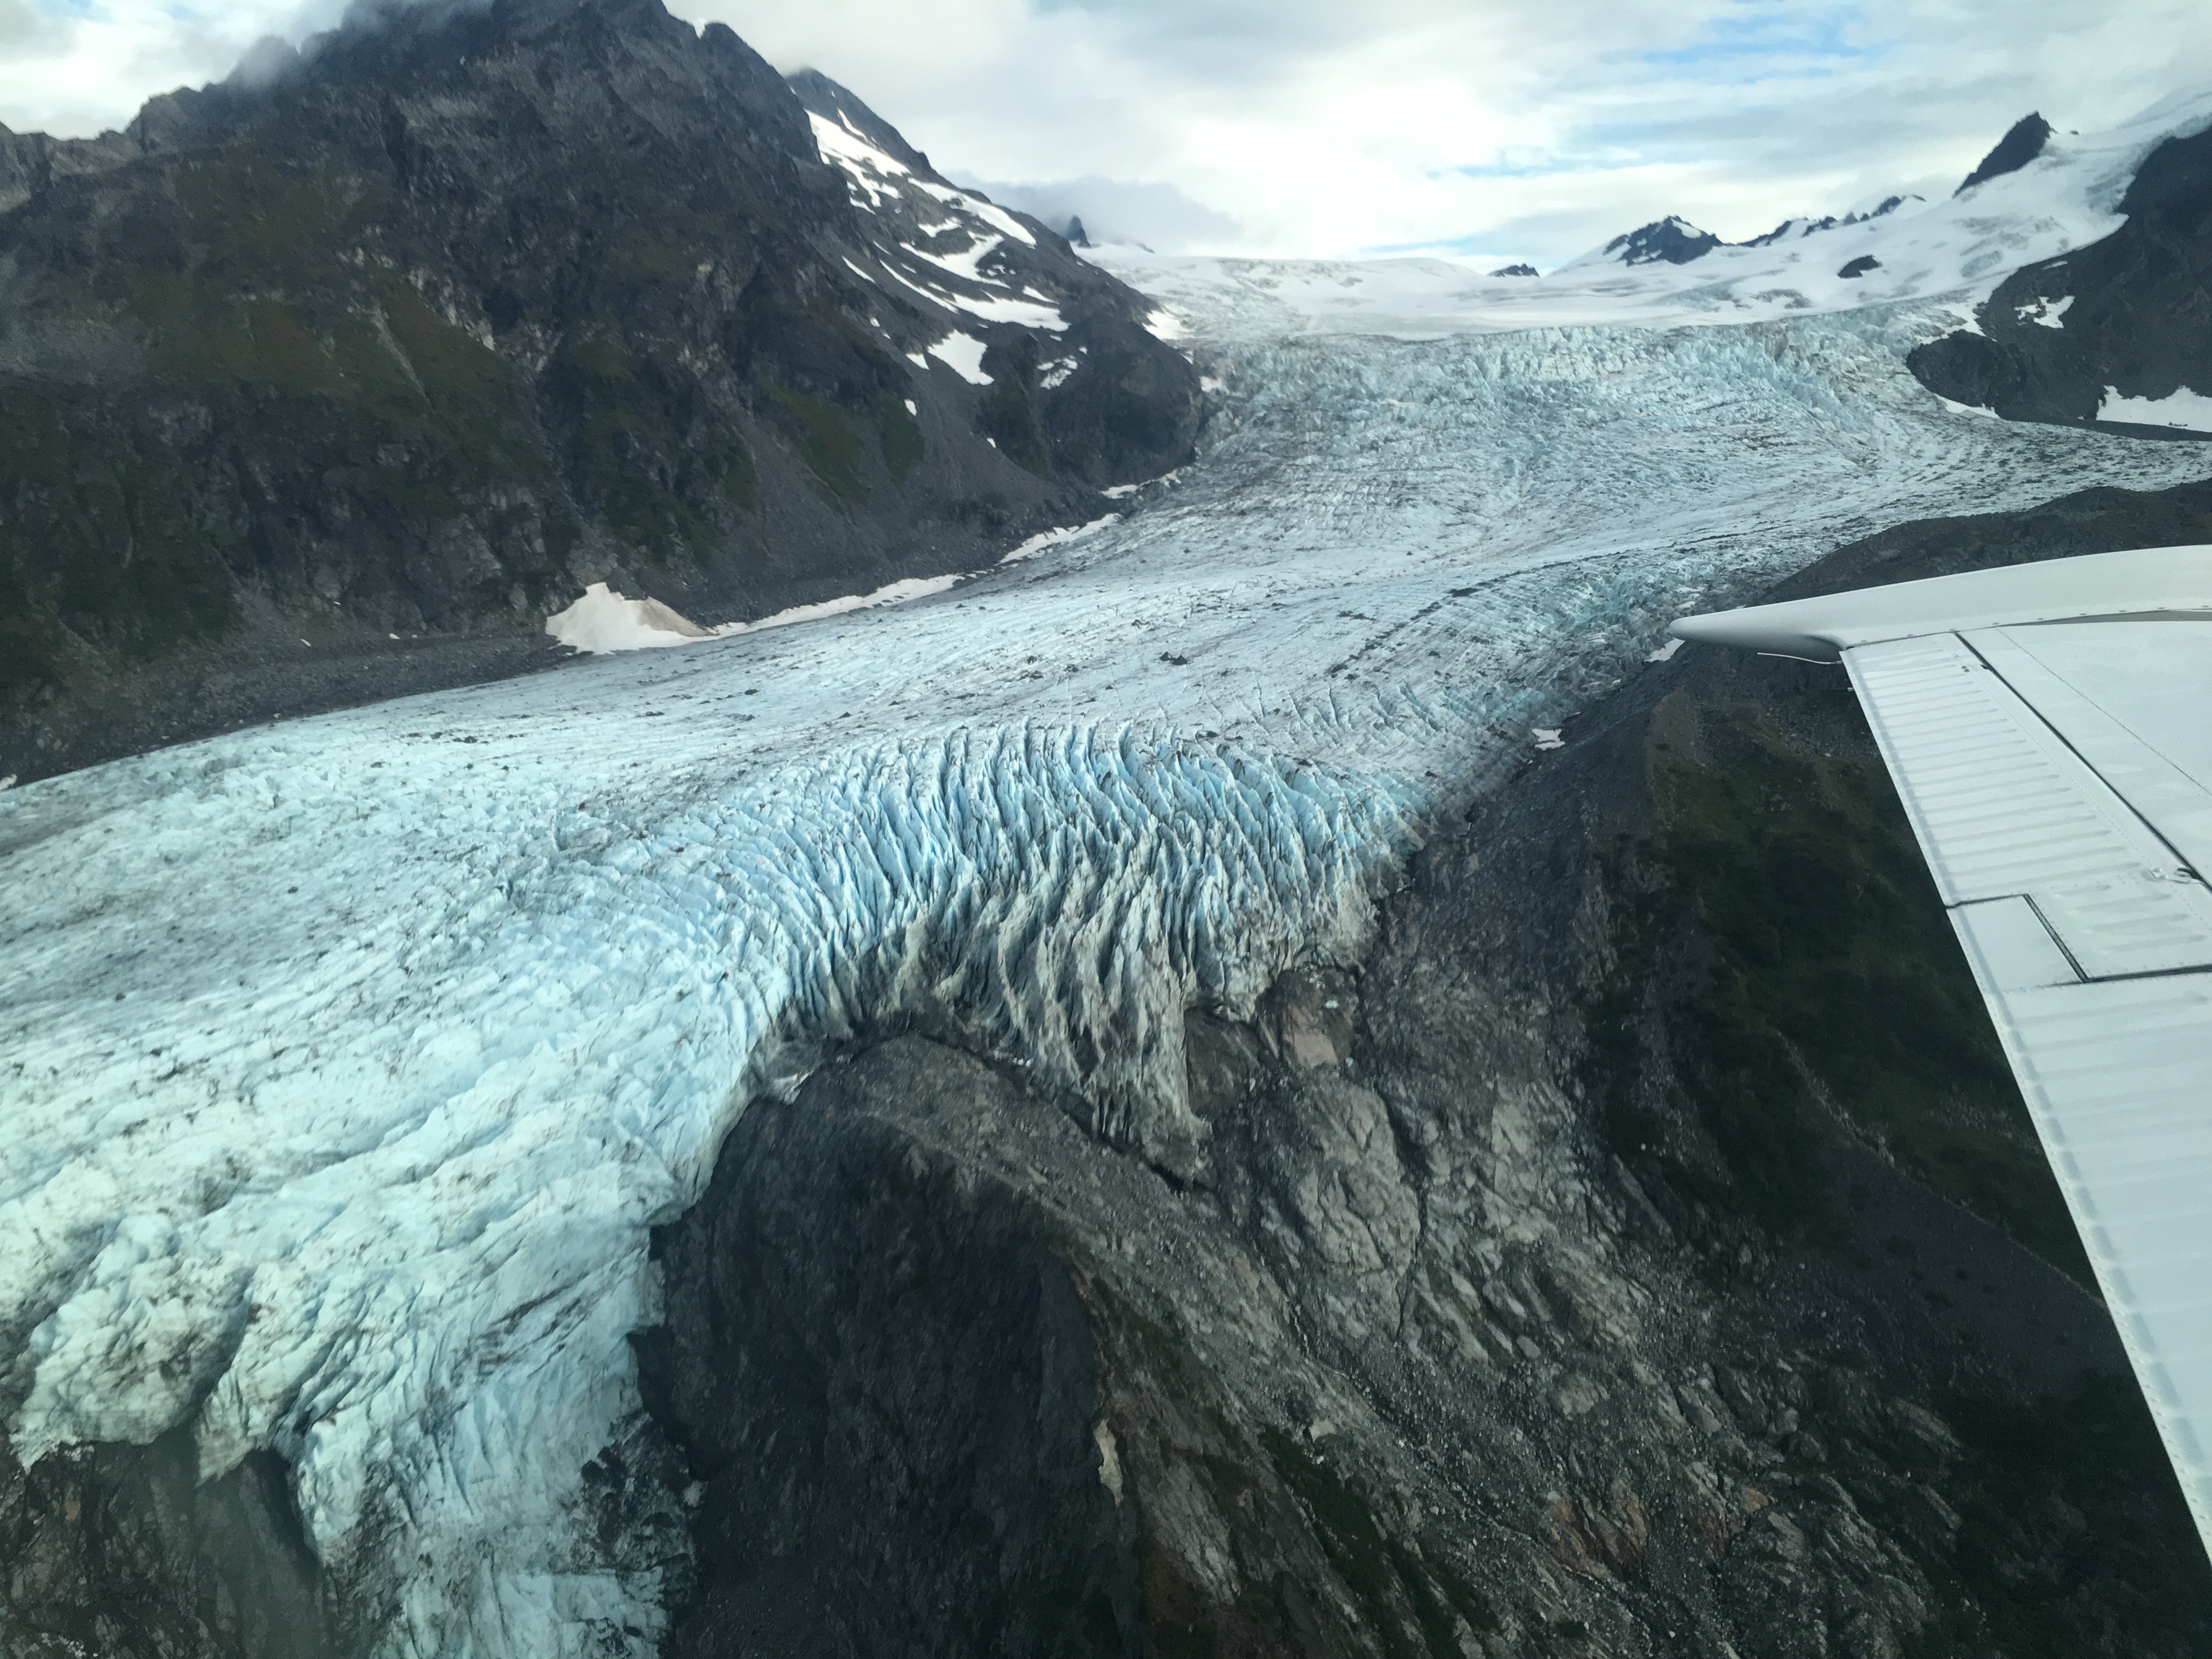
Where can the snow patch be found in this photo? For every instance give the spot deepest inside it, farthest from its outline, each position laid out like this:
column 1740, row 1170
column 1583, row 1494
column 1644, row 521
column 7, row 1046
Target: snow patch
column 1665, row 653
column 1956, row 408
column 1547, row 737
column 898, row 592
column 603, row 621
column 963, row 354
column 2185, row 409
column 2051, row 313
column 998, row 218
column 871, row 173
column 1050, row 538
column 965, row 265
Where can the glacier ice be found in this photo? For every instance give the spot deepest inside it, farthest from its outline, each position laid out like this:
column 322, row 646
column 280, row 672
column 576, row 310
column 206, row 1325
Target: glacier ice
column 348, row 1060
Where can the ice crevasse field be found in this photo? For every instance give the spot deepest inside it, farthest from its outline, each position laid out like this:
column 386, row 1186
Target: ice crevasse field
column 348, row 1062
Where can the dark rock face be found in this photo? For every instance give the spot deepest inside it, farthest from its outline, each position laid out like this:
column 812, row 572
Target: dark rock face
column 2022, row 142
column 416, row 336
column 1860, row 266
column 898, row 1344
column 1671, row 241
column 1517, row 270
column 1644, row 1251
column 2131, row 314
column 120, row 1550
column 1077, row 236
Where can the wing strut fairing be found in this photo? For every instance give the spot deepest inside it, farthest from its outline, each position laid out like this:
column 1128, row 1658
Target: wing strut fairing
column 2050, row 729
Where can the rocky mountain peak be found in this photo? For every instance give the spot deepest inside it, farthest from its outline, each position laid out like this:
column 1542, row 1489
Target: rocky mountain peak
column 409, row 340
column 2022, row 142
column 822, row 96
column 1672, row 241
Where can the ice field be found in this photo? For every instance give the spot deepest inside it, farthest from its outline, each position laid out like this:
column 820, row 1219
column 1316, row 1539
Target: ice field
column 348, row 1061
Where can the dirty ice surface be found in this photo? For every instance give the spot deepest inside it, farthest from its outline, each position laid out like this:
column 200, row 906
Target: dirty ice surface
column 348, row 1061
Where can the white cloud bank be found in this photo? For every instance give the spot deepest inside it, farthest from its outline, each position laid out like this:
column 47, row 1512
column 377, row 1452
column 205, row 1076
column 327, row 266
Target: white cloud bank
column 1516, row 128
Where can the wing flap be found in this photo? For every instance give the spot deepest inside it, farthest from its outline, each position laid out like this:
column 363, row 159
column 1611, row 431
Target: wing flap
column 2050, row 729
column 2003, row 806
column 2091, row 938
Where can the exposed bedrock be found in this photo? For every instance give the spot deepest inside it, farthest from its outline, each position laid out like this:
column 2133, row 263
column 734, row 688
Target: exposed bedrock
column 2122, row 321
column 122, row 1550
column 1643, row 1251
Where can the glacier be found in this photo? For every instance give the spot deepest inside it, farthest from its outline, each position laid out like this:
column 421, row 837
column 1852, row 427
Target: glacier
column 350, row 1061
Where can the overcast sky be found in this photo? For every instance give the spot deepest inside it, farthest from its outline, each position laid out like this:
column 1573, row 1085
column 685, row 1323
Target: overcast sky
column 1503, row 128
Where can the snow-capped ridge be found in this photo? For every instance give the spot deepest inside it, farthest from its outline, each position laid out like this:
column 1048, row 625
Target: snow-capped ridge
column 1789, row 228
column 1672, row 241
column 955, row 272
column 1955, row 251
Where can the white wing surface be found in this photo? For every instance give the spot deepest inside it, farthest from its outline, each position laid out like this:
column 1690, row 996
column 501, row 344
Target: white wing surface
column 2050, row 729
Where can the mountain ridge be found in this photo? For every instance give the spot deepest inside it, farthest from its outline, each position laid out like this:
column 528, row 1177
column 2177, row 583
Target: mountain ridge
column 2114, row 335
column 407, row 342
column 1674, row 240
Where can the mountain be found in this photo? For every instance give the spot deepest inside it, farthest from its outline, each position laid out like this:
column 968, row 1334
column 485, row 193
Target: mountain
column 2022, row 142
column 2116, row 333
column 1671, row 241
column 337, row 377
column 1904, row 249
column 1674, row 240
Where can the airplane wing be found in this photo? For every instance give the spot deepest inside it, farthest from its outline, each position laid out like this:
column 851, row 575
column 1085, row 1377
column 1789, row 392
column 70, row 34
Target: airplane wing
column 2050, row 729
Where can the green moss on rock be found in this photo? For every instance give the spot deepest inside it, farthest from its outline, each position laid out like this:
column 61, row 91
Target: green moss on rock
column 829, row 443
column 901, row 437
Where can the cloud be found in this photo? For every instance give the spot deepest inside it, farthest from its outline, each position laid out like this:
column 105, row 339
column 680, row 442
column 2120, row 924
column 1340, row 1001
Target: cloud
column 1515, row 128
column 21, row 26
column 1158, row 217
column 1524, row 127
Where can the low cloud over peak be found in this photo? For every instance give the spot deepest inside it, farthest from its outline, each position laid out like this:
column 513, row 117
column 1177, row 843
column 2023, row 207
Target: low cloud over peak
column 1155, row 215
column 1534, row 128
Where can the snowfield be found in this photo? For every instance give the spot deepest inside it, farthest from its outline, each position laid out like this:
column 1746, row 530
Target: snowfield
column 348, row 1062
column 1964, row 246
